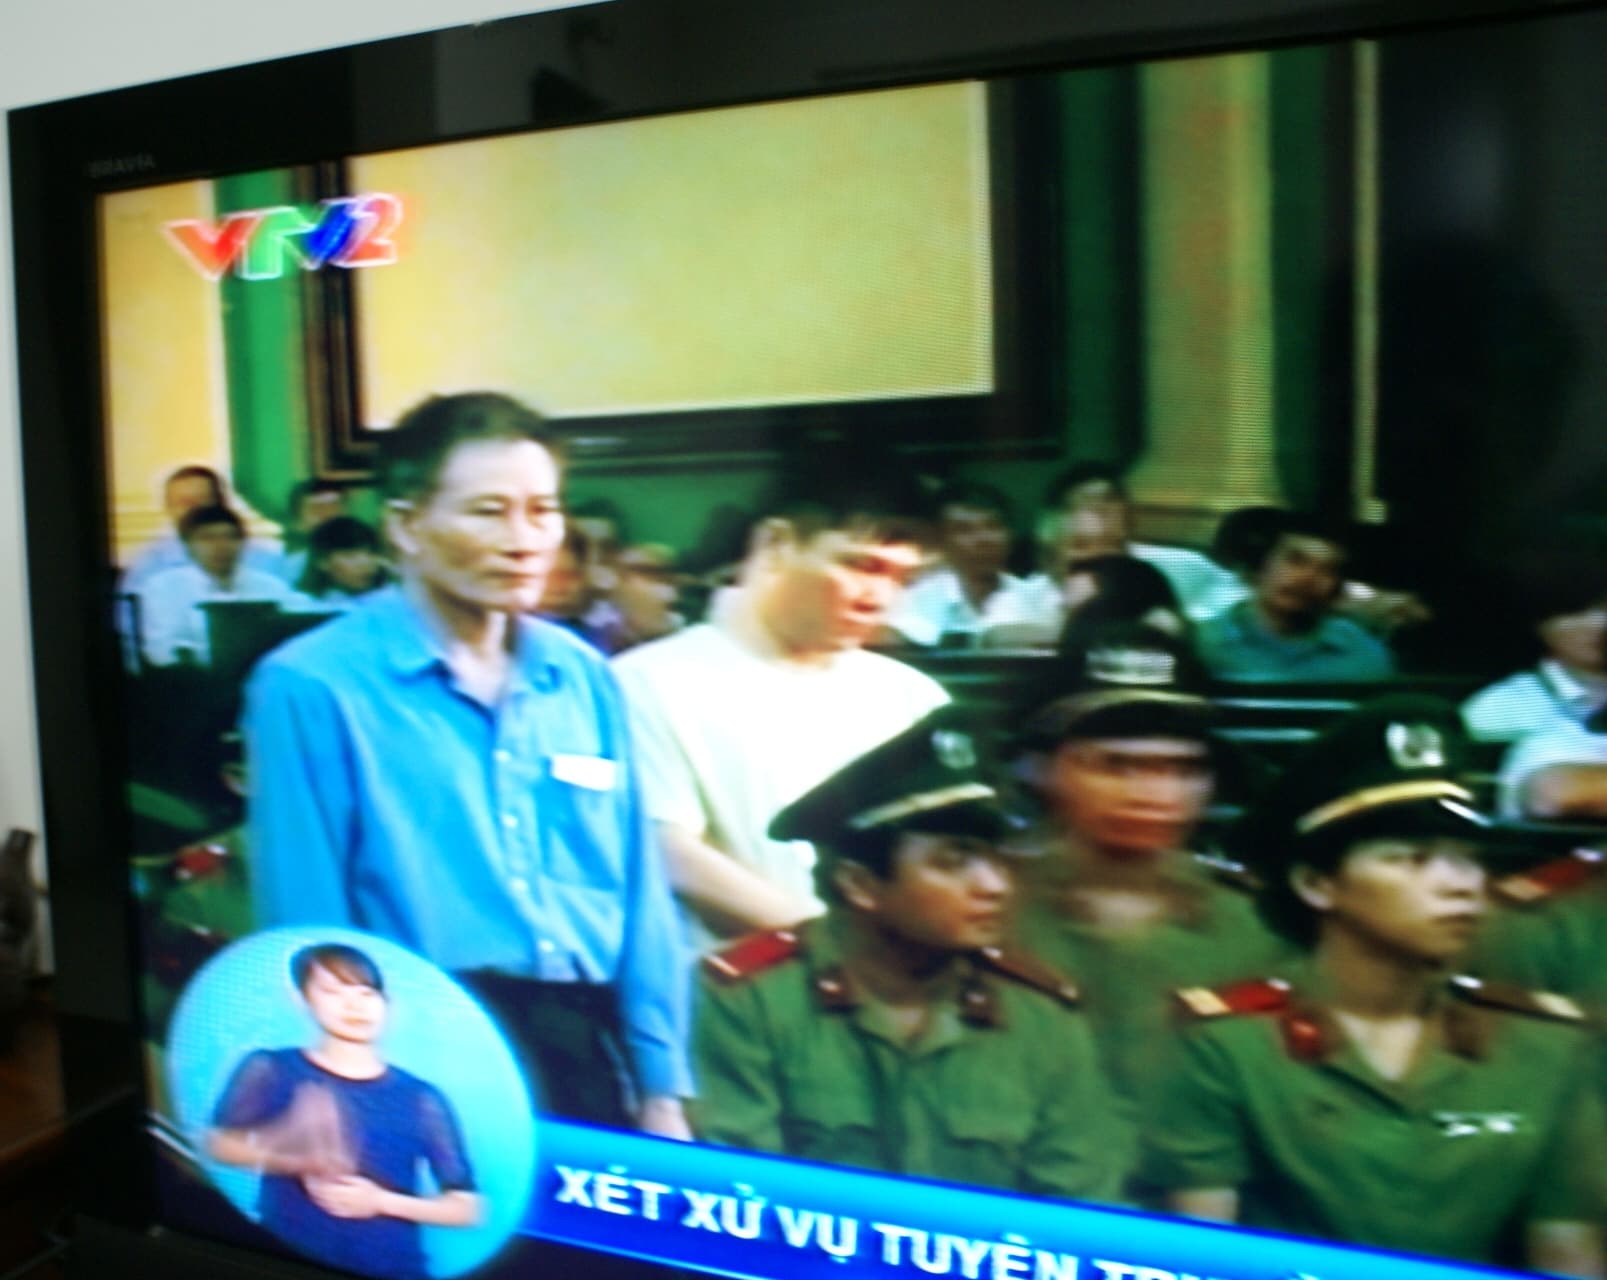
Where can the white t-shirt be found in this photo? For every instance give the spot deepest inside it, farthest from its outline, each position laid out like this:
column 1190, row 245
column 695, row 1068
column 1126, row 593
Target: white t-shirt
column 727, row 734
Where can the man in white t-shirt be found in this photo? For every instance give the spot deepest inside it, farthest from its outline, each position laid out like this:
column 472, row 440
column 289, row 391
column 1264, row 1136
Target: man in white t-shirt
column 737, row 717
column 970, row 593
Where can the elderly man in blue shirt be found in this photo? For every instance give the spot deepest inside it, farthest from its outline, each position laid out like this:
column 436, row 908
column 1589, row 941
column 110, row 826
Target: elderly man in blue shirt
column 442, row 770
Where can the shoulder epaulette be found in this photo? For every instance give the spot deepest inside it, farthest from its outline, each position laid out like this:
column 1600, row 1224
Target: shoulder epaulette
column 1255, row 995
column 1515, row 999
column 752, row 955
column 1550, row 879
column 1030, row 971
column 1228, row 872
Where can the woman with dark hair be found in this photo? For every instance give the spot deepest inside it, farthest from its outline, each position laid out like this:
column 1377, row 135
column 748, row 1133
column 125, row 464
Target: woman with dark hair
column 339, row 1135
column 1101, row 590
column 345, row 561
column 1373, row 1097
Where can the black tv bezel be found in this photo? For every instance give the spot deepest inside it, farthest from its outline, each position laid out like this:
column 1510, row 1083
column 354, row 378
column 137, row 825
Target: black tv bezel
column 656, row 56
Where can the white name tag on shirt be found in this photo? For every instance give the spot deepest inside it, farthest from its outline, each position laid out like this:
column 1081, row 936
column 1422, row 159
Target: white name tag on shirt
column 595, row 773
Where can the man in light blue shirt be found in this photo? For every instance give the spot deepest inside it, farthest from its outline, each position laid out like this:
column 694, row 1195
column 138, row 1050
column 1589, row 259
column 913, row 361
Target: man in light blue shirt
column 441, row 770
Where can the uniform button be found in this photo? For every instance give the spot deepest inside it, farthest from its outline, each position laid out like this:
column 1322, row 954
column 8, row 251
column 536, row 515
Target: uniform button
column 518, row 884
column 509, row 821
column 503, row 755
column 544, row 945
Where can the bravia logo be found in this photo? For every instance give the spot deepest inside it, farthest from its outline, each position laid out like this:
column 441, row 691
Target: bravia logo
column 262, row 244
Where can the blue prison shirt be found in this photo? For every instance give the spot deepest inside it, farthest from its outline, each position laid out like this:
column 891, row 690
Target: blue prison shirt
column 509, row 838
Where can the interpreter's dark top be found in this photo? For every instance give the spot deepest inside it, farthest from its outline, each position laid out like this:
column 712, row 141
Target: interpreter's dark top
column 391, row 1124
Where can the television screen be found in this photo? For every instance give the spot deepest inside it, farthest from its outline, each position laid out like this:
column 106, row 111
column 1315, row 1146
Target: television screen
column 981, row 669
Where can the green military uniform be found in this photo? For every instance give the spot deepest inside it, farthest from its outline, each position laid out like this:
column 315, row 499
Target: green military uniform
column 1001, row 1089
column 1497, row 1123
column 1549, row 929
column 1210, row 934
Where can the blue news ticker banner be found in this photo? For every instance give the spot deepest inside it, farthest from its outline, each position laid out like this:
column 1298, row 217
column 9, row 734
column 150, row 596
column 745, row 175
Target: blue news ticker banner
column 739, row 1214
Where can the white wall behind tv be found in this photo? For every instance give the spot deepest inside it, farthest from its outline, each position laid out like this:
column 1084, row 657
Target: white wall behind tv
column 64, row 48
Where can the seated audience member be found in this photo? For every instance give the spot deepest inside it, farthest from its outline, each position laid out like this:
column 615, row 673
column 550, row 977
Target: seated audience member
column 1125, row 765
column 737, row 717
column 1243, row 538
column 1204, row 587
column 1569, row 682
column 173, row 619
column 184, row 491
column 1241, row 542
column 1090, row 532
column 1104, row 590
column 344, row 562
column 1366, row 1095
column 1287, row 631
column 1558, row 772
column 312, row 502
column 646, row 589
column 604, row 525
column 969, row 592
column 897, row 1033
column 569, row 593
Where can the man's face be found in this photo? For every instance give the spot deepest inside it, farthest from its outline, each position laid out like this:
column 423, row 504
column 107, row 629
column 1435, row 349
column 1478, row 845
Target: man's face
column 1578, row 640
column 185, row 493
column 645, row 594
column 1301, row 576
column 1421, row 899
column 349, row 1011
column 832, row 593
column 1089, row 531
column 1130, row 797
column 215, row 548
column 945, row 892
column 975, row 540
column 485, row 539
column 354, row 570
column 566, row 593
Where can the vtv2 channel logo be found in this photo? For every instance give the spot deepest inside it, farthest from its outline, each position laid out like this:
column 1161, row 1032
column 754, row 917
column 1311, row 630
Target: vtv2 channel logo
column 262, row 244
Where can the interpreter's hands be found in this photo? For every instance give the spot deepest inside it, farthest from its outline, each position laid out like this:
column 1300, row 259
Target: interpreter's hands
column 346, row 1197
column 664, row 1117
column 308, row 1138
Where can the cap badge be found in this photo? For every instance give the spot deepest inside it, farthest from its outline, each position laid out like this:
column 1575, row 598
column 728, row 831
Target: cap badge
column 1132, row 666
column 954, row 749
column 1415, row 746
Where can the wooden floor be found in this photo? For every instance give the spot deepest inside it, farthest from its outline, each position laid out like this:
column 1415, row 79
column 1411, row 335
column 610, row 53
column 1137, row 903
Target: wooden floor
column 33, row 1195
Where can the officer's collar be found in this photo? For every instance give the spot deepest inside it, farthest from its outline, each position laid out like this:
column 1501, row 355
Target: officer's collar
column 1312, row 1032
column 835, row 990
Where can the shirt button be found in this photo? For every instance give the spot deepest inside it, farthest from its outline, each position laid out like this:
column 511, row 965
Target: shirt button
column 510, row 821
column 518, row 884
column 544, row 945
column 503, row 755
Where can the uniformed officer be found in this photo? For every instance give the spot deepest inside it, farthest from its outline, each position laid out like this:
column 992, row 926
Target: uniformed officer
column 1373, row 1097
column 896, row 1032
column 1125, row 764
column 1549, row 927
